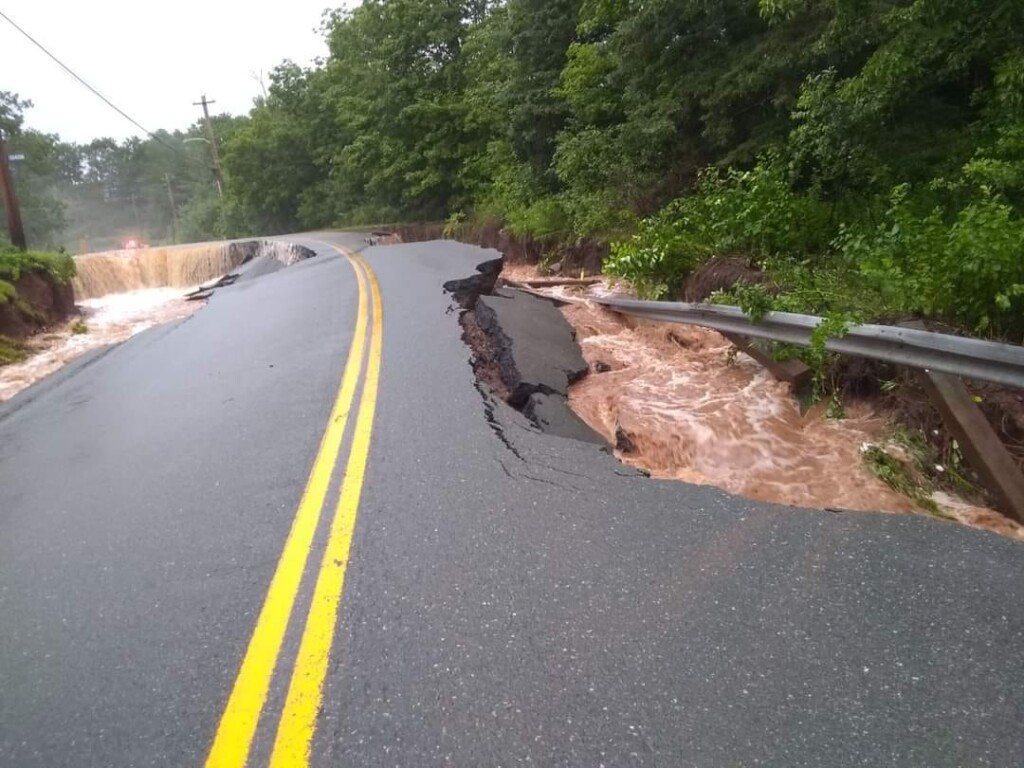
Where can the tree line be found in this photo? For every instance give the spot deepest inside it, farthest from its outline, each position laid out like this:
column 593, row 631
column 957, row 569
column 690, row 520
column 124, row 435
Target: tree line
column 866, row 155
column 93, row 196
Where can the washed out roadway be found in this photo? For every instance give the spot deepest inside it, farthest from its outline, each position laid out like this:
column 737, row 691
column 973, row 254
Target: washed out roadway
column 510, row 598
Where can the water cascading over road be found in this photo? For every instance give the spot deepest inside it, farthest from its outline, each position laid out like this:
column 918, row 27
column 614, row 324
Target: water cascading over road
column 182, row 266
column 121, row 293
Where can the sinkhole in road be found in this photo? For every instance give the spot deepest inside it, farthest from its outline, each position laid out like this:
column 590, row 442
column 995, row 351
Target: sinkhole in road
column 119, row 294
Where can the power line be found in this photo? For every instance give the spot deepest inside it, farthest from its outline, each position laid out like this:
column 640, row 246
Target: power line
column 96, row 92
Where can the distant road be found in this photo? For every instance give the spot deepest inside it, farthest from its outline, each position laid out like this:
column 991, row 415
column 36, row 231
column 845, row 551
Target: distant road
column 290, row 528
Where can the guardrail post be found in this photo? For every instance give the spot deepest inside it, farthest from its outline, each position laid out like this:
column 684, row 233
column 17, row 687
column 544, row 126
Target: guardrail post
column 795, row 372
column 981, row 445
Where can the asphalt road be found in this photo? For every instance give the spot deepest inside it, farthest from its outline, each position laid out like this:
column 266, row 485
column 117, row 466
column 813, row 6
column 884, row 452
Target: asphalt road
column 509, row 597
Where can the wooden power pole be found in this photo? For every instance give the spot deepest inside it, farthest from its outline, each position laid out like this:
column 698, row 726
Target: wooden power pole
column 14, row 226
column 213, row 142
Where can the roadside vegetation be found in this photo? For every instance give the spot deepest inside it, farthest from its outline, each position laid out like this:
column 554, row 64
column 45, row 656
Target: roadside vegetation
column 862, row 160
column 866, row 157
column 15, row 263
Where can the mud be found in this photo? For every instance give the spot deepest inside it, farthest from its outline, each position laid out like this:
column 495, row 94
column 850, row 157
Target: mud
column 677, row 402
column 484, row 360
column 41, row 301
column 523, row 351
column 572, row 257
column 720, row 274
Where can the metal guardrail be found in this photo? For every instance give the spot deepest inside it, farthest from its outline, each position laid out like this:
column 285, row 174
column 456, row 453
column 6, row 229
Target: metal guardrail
column 969, row 358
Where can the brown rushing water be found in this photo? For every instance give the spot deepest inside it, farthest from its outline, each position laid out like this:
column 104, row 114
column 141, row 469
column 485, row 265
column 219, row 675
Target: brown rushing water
column 697, row 414
column 110, row 319
column 180, row 266
column 120, row 293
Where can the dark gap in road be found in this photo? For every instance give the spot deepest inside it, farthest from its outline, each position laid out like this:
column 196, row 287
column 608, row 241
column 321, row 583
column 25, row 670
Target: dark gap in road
column 522, row 351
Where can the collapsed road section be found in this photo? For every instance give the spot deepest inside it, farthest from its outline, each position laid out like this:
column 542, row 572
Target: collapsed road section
column 524, row 351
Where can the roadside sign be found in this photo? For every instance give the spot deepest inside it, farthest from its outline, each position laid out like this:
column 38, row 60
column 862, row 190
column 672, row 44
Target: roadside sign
column 17, row 157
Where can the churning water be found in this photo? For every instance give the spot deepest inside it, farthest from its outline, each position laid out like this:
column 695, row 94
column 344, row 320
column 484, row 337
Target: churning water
column 122, row 293
column 680, row 405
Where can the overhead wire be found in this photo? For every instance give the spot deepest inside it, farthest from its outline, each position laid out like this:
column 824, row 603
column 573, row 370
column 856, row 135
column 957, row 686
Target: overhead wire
column 93, row 89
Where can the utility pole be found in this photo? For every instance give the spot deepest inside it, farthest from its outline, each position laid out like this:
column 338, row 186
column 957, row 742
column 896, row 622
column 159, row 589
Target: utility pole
column 213, row 143
column 174, row 209
column 14, row 227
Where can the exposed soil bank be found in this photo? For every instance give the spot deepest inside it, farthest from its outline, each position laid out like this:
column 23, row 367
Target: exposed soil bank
column 42, row 301
column 583, row 254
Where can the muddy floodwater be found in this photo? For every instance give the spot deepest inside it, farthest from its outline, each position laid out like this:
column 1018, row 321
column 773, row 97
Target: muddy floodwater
column 108, row 319
column 678, row 403
column 121, row 293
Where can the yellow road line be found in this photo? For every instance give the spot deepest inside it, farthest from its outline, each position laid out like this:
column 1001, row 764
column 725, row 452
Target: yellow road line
column 241, row 715
column 305, row 691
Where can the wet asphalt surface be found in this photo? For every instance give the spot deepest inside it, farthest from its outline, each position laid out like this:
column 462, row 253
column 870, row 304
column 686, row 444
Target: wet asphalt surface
column 511, row 598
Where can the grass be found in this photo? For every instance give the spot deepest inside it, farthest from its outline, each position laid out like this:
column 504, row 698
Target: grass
column 13, row 263
column 79, row 328
column 923, row 472
column 11, row 350
column 900, row 477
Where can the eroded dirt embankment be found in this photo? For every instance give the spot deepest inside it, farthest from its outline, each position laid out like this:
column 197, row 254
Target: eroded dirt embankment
column 41, row 301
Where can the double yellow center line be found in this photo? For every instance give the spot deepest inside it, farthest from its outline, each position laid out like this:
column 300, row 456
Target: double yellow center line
column 298, row 720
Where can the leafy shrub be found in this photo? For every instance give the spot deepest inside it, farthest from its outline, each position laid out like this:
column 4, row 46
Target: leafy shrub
column 757, row 212
column 543, row 217
column 11, row 350
column 659, row 256
column 757, row 300
column 15, row 263
column 754, row 212
column 967, row 267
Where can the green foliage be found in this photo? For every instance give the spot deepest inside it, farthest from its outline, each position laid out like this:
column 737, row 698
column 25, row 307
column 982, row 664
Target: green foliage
column 963, row 266
column 758, row 299
column 79, row 328
column 867, row 156
column 756, row 212
column 11, row 350
column 898, row 476
column 15, row 263
column 752, row 212
column 754, row 299
column 657, row 259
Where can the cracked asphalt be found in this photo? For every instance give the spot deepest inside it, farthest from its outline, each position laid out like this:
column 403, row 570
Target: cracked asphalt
column 511, row 597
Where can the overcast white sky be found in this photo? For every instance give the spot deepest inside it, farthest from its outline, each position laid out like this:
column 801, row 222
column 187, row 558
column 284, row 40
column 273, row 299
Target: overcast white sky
column 151, row 59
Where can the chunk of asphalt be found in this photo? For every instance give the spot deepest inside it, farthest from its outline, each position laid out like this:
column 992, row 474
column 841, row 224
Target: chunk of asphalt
column 552, row 414
column 535, row 346
column 466, row 290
